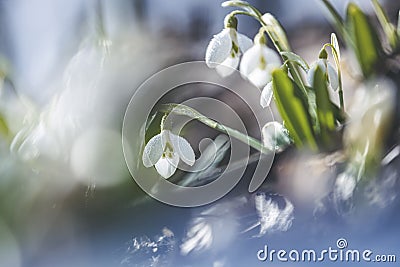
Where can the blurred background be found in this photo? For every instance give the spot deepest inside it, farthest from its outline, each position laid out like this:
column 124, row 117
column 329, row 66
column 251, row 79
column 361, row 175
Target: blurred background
column 69, row 69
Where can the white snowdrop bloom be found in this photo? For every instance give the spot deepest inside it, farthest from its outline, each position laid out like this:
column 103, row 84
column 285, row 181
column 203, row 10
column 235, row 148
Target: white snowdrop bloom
column 224, row 50
column 275, row 136
column 258, row 62
column 266, row 95
column 324, row 65
column 164, row 152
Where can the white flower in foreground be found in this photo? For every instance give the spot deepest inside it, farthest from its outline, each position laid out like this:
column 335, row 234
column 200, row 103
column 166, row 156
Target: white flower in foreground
column 266, row 95
column 164, row 152
column 258, row 62
column 275, row 136
column 324, row 65
column 224, row 50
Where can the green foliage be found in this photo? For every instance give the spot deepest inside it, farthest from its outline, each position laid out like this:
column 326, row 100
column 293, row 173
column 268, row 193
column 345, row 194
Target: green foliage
column 290, row 56
column 365, row 39
column 325, row 114
column 293, row 109
column 388, row 28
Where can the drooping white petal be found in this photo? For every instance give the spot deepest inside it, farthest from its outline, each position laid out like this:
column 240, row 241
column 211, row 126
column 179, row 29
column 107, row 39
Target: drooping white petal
column 259, row 77
column 166, row 166
column 244, row 42
column 311, row 73
column 152, row 151
column 219, row 48
column 228, row 66
column 183, row 149
column 266, row 95
column 271, row 57
column 333, row 77
column 250, row 60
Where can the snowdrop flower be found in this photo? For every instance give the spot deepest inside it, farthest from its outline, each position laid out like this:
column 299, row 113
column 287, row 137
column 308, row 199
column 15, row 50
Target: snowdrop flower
column 164, row 152
column 275, row 136
column 259, row 61
column 225, row 48
column 266, row 95
column 326, row 67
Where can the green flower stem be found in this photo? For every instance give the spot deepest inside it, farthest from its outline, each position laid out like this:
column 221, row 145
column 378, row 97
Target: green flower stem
column 240, row 12
column 162, row 123
column 192, row 113
column 293, row 69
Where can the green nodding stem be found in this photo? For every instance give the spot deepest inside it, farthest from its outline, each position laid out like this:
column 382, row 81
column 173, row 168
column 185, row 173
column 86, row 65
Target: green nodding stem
column 162, row 124
column 230, row 20
column 192, row 113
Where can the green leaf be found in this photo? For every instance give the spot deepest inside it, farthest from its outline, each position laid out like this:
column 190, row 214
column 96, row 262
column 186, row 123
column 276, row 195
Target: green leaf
column 293, row 109
column 366, row 43
column 325, row 113
column 337, row 19
column 387, row 27
column 297, row 59
column 339, row 114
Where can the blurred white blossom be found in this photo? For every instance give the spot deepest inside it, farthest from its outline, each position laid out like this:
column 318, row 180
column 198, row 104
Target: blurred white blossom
column 199, row 237
column 344, row 186
column 371, row 114
column 214, row 228
column 90, row 157
column 271, row 217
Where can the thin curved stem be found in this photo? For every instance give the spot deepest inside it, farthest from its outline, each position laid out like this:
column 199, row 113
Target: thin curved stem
column 192, row 113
